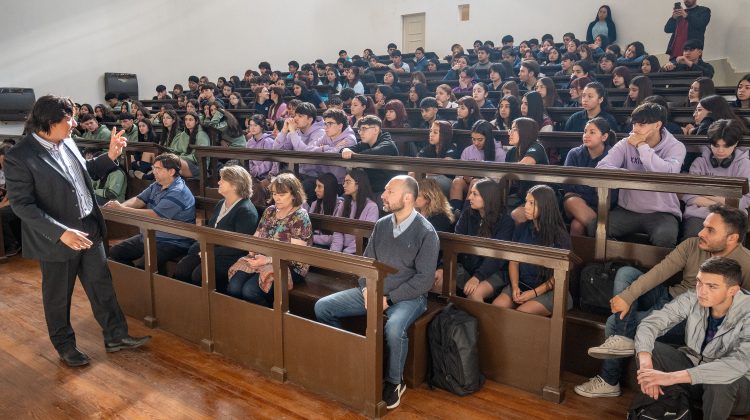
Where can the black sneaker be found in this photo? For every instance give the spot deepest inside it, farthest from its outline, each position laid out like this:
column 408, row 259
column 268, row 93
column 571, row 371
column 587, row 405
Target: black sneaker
column 392, row 394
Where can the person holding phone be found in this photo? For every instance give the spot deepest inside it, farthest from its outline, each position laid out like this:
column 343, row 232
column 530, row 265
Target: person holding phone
column 686, row 23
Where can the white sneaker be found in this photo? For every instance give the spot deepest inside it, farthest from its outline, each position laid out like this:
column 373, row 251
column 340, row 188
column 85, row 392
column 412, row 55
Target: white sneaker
column 615, row 346
column 597, row 387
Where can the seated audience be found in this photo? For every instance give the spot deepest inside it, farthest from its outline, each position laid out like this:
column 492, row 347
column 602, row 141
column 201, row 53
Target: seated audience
column 532, row 288
column 528, row 75
column 467, row 113
column 479, row 92
column 743, row 93
column 234, row 213
column 595, row 104
column 111, row 187
column 548, row 91
column 361, row 106
column 167, row 198
column 327, row 202
column 251, row 278
column 93, row 130
column 397, row 63
column 440, row 145
column 11, row 224
column 710, row 109
column 127, row 124
column 721, row 158
column 304, row 94
column 699, row 89
column 575, row 90
column 713, row 366
column 581, row 202
column 640, row 88
column 634, row 53
column 390, row 79
column 650, row 64
column 428, row 109
column 480, row 278
column 278, row 108
column 465, row 81
column 483, row 148
column 648, row 148
column 373, row 141
column 352, row 81
column 508, row 110
column 691, row 60
column 445, row 97
column 359, row 204
column 532, row 106
column 433, row 205
column 395, row 115
column 226, row 123
column 621, row 77
column 637, row 294
column 406, row 241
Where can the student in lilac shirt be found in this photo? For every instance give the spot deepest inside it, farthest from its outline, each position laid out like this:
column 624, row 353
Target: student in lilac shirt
column 258, row 138
column 327, row 203
column 648, row 148
column 484, row 148
column 359, row 204
column 721, row 158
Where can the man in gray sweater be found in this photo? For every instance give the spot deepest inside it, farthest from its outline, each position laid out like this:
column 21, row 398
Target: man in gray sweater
column 406, row 241
column 714, row 366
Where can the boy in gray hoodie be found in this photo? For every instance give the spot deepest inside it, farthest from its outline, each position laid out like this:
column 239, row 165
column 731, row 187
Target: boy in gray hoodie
column 648, row 148
column 714, row 366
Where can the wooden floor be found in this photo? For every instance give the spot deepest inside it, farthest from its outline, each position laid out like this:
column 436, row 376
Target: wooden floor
column 172, row 379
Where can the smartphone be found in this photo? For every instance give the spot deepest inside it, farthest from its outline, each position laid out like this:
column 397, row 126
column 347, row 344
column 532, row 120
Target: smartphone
column 678, row 5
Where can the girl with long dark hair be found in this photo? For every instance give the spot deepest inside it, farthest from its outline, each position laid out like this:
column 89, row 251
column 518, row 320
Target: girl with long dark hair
column 327, row 203
column 359, row 204
column 531, row 287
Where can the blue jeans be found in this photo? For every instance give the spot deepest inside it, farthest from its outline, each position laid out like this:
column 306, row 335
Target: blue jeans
column 642, row 307
column 401, row 315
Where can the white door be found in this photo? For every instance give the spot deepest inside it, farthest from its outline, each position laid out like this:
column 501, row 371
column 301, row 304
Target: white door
column 413, row 28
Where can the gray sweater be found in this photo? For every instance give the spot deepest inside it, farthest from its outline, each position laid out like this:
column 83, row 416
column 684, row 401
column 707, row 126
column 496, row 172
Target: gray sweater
column 725, row 359
column 413, row 253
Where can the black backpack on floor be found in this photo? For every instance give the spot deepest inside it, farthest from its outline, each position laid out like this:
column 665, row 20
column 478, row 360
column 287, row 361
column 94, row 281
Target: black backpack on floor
column 454, row 356
column 673, row 405
column 596, row 284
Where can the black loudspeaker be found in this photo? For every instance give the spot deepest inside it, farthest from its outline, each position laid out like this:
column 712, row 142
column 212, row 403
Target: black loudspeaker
column 121, row 83
column 16, row 103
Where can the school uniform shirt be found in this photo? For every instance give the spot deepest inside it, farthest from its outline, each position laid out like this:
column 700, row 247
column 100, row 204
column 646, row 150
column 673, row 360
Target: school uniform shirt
column 577, row 121
column 579, row 157
column 536, row 151
column 529, row 275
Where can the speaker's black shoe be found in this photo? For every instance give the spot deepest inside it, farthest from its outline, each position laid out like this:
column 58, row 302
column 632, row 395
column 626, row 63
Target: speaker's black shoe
column 74, row 357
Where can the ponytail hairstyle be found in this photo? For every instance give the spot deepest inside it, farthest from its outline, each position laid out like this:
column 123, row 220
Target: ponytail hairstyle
column 603, row 125
column 602, row 92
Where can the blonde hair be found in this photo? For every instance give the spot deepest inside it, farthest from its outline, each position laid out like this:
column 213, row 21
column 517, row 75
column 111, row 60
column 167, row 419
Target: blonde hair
column 430, row 190
column 239, row 178
column 448, row 90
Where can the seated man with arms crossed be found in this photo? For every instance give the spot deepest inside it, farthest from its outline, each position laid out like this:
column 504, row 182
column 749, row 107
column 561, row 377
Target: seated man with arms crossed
column 714, row 366
column 168, row 198
column 637, row 294
column 406, row 241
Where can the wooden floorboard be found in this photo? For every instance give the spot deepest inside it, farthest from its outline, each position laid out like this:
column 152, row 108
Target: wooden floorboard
column 173, row 379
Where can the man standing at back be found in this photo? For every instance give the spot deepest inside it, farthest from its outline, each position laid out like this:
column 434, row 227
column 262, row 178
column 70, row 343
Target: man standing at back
column 406, row 241
column 686, row 23
column 50, row 190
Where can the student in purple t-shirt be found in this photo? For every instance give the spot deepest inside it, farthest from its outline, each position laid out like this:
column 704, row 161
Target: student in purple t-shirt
column 648, row 148
column 483, row 148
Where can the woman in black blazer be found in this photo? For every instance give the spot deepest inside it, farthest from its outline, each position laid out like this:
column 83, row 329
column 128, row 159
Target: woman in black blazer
column 234, row 213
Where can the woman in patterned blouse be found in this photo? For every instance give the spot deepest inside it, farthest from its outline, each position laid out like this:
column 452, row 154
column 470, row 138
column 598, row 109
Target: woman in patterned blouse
column 251, row 277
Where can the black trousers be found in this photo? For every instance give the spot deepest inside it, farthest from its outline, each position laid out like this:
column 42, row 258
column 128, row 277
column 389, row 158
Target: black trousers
column 719, row 401
column 131, row 249
column 58, row 280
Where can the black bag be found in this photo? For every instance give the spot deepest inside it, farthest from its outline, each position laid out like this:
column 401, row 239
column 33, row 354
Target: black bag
column 454, row 364
column 596, row 284
column 673, row 405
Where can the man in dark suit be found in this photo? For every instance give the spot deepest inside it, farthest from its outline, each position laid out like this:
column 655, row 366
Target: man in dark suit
column 49, row 187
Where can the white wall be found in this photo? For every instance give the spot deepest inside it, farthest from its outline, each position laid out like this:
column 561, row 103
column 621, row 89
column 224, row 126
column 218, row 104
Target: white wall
column 66, row 47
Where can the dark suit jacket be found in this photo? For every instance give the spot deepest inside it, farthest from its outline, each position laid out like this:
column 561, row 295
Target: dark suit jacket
column 45, row 201
column 243, row 218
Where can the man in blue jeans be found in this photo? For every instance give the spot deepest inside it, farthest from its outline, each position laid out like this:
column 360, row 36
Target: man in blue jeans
column 406, row 241
column 636, row 294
